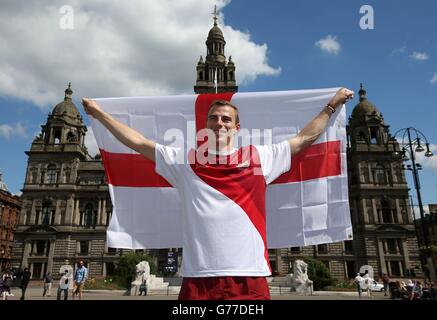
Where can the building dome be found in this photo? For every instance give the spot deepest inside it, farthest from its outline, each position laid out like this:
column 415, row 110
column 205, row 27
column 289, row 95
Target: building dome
column 364, row 107
column 215, row 32
column 66, row 107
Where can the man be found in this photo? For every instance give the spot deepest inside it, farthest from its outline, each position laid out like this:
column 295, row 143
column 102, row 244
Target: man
column 79, row 280
column 358, row 280
column 25, row 278
column 48, row 279
column 214, row 231
column 64, row 285
column 385, row 281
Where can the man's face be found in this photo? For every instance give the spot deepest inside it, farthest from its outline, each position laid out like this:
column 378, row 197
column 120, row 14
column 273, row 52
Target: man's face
column 222, row 121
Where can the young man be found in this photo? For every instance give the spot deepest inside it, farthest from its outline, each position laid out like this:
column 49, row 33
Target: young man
column 79, row 280
column 225, row 250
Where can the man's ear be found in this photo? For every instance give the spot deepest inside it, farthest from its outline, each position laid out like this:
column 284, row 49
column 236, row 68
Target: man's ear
column 237, row 127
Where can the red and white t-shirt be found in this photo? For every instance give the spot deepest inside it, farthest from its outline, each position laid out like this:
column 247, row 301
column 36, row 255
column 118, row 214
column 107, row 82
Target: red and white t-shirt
column 223, row 207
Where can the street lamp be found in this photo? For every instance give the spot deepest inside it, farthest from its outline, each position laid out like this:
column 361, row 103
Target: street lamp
column 408, row 152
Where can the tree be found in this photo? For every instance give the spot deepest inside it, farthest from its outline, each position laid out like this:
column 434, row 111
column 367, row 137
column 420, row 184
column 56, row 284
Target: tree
column 319, row 273
column 126, row 267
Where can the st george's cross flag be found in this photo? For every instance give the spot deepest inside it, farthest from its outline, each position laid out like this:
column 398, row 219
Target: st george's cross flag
column 307, row 205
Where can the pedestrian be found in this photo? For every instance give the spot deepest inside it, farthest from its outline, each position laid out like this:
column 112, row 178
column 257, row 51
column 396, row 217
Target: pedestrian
column 385, row 281
column 358, row 280
column 6, row 283
column 25, row 278
column 48, row 279
column 64, row 286
column 80, row 276
column 210, row 271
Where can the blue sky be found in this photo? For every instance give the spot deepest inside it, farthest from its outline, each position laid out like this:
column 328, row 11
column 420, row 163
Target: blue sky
column 289, row 45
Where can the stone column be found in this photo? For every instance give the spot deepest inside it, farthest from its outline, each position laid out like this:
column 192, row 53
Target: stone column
column 104, row 269
column 366, row 216
column 381, row 256
column 33, row 213
column 99, row 213
column 104, row 215
column 405, row 253
column 58, row 212
column 69, row 211
column 51, row 255
column 26, row 251
column 76, row 213
column 375, row 212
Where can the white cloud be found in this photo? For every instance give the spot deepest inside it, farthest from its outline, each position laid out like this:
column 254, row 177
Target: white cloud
column 8, row 131
column 329, row 44
column 90, row 142
column 115, row 49
column 434, row 78
column 419, row 56
column 398, row 50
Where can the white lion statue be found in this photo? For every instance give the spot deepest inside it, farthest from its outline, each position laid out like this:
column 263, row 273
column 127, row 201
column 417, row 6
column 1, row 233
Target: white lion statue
column 299, row 279
column 143, row 273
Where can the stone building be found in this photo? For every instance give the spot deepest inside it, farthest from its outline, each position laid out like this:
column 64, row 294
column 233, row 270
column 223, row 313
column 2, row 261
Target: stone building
column 10, row 207
column 66, row 205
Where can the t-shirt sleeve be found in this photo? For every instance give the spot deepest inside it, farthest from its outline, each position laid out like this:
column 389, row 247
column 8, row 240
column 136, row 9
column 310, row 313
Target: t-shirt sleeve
column 168, row 163
column 275, row 160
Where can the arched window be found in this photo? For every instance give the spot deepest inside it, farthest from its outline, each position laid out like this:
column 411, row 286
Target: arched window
column 57, row 136
column 374, row 136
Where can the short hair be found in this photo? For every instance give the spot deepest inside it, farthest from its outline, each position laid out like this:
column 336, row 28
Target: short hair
column 222, row 103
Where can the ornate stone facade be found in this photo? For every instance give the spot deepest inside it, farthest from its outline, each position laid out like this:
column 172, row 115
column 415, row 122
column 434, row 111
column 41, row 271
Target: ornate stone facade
column 10, row 207
column 66, row 205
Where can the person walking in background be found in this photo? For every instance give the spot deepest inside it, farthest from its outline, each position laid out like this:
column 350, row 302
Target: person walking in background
column 25, row 278
column 64, row 285
column 385, row 281
column 358, row 279
column 48, row 279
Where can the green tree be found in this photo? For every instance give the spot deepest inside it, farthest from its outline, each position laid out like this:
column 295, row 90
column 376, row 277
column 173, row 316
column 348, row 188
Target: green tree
column 126, row 267
column 319, row 273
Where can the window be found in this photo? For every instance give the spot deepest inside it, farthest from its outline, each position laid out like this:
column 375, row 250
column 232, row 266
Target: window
column 322, row 248
column 88, row 218
column 40, row 247
column 52, row 174
column 348, row 248
column 112, row 250
column 386, row 212
column 373, row 137
column 295, row 249
column 379, row 174
column 46, row 214
column 57, row 137
column 392, row 246
column 84, row 247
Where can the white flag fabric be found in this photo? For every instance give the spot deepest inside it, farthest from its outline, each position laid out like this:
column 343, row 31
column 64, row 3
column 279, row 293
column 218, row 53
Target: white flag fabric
column 306, row 206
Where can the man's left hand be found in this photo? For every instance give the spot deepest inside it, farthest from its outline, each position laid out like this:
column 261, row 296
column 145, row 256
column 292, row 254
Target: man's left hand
column 341, row 97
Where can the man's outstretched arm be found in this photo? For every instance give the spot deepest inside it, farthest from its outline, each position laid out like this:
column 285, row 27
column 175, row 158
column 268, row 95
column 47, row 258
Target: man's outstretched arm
column 128, row 136
column 317, row 126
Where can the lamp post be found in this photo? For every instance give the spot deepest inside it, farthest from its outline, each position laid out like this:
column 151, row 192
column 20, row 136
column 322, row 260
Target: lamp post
column 411, row 143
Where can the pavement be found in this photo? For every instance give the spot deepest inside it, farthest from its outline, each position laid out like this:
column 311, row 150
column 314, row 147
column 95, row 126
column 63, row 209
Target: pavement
column 35, row 293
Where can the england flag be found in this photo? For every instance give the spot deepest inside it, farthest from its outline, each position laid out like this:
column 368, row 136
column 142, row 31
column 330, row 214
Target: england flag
column 307, row 205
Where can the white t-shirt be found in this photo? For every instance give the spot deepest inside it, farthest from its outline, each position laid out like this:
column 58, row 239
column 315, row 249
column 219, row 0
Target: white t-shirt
column 223, row 207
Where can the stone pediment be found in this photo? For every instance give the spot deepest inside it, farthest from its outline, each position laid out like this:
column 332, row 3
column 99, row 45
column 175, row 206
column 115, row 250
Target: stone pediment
column 391, row 228
column 41, row 228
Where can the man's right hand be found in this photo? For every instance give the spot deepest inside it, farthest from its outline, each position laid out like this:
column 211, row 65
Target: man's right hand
column 91, row 107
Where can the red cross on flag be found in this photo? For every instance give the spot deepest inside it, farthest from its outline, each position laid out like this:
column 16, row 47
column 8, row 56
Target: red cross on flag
column 307, row 205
